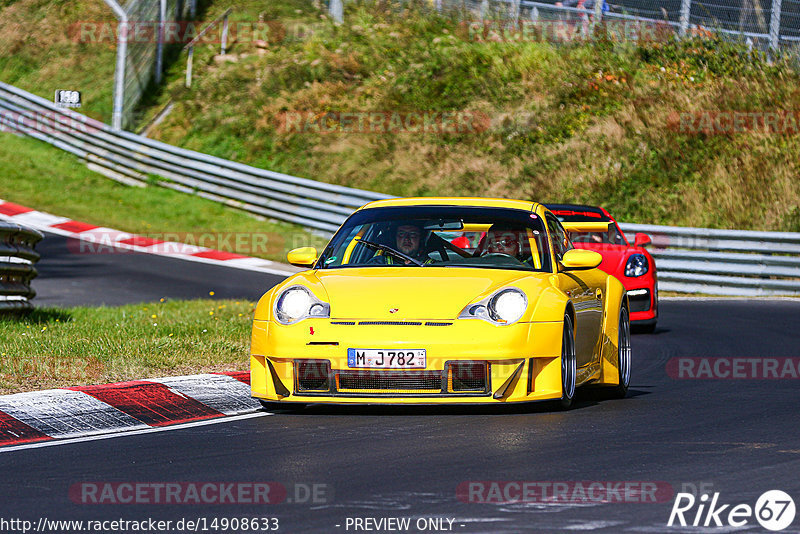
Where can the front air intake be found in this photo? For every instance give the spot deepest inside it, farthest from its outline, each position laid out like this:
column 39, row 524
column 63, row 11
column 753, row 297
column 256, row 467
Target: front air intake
column 389, row 381
column 312, row 375
column 467, row 376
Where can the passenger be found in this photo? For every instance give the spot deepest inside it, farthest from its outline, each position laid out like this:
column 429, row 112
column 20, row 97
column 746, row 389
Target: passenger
column 503, row 240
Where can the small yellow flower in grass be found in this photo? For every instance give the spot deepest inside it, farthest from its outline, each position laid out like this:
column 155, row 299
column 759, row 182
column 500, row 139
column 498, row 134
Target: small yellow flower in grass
column 170, row 335
column 211, row 313
column 211, row 293
column 240, row 315
column 153, row 316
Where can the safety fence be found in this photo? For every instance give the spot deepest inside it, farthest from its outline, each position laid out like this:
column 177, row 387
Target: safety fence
column 765, row 24
column 727, row 262
column 724, row 262
column 141, row 61
column 17, row 259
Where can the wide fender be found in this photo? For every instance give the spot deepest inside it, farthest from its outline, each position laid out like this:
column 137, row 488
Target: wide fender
column 616, row 297
column 551, row 305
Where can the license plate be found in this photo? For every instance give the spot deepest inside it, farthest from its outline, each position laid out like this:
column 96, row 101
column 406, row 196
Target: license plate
column 386, row 359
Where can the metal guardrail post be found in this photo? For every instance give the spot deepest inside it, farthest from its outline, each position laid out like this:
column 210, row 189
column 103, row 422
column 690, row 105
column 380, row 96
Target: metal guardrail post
column 122, row 56
column 598, row 12
column 162, row 16
column 224, row 45
column 686, row 10
column 189, row 60
column 775, row 25
column 336, row 11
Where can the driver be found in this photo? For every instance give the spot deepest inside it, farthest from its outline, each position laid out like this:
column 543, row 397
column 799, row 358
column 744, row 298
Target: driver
column 407, row 237
column 408, row 240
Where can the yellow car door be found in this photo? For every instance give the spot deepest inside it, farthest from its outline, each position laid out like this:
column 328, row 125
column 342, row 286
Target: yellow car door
column 585, row 288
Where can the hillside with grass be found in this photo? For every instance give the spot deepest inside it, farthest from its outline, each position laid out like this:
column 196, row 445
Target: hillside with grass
column 594, row 122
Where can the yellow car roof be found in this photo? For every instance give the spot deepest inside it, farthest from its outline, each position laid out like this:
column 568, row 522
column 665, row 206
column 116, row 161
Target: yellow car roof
column 526, row 205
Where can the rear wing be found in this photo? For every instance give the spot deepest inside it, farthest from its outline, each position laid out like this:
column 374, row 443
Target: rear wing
column 586, row 226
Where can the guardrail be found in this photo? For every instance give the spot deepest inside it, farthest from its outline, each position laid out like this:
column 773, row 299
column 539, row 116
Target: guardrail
column 724, row 262
column 17, row 256
column 137, row 160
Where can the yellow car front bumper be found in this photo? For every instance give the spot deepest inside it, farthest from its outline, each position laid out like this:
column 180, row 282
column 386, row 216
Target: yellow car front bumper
column 514, row 363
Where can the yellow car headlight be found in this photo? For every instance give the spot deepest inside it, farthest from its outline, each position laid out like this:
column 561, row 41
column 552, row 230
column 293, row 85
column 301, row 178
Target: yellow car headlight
column 506, row 306
column 297, row 303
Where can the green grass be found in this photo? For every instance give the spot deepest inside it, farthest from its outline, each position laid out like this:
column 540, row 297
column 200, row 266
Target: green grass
column 47, row 179
column 40, row 53
column 61, row 347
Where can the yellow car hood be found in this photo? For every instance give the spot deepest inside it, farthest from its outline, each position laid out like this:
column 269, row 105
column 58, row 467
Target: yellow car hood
column 401, row 293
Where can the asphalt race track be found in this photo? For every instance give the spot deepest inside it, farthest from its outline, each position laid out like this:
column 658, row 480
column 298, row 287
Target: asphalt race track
column 738, row 437
column 67, row 278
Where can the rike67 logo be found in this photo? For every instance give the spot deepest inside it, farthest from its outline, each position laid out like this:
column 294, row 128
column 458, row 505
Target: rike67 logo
column 774, row 510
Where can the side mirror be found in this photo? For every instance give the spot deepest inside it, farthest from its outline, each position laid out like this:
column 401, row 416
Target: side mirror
column 642, row 240
column 579, row 259
column 302, row 257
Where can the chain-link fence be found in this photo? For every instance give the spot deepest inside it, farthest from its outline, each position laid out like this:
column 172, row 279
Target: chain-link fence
column 762, row 24
column 144, row 28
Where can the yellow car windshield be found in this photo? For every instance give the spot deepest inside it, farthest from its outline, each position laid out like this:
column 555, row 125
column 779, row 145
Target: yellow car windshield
column 440, row 236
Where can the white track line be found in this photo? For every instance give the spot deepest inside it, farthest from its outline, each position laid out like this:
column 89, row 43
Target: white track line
column 133, row 432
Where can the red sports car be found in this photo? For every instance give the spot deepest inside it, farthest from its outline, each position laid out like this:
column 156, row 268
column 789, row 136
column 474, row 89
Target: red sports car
column 631, row 264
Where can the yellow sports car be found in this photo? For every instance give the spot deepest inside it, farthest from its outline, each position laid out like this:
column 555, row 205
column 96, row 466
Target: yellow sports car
column 443, row 300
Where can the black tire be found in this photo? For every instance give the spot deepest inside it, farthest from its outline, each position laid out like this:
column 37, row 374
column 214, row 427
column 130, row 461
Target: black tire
column 569, row 369
column 623, row 355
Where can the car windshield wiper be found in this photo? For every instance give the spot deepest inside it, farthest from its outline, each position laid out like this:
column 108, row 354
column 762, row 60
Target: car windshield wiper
column 393, row 252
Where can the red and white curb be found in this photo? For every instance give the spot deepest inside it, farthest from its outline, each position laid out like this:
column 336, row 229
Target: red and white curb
column 140, row 404
column 110, row 238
